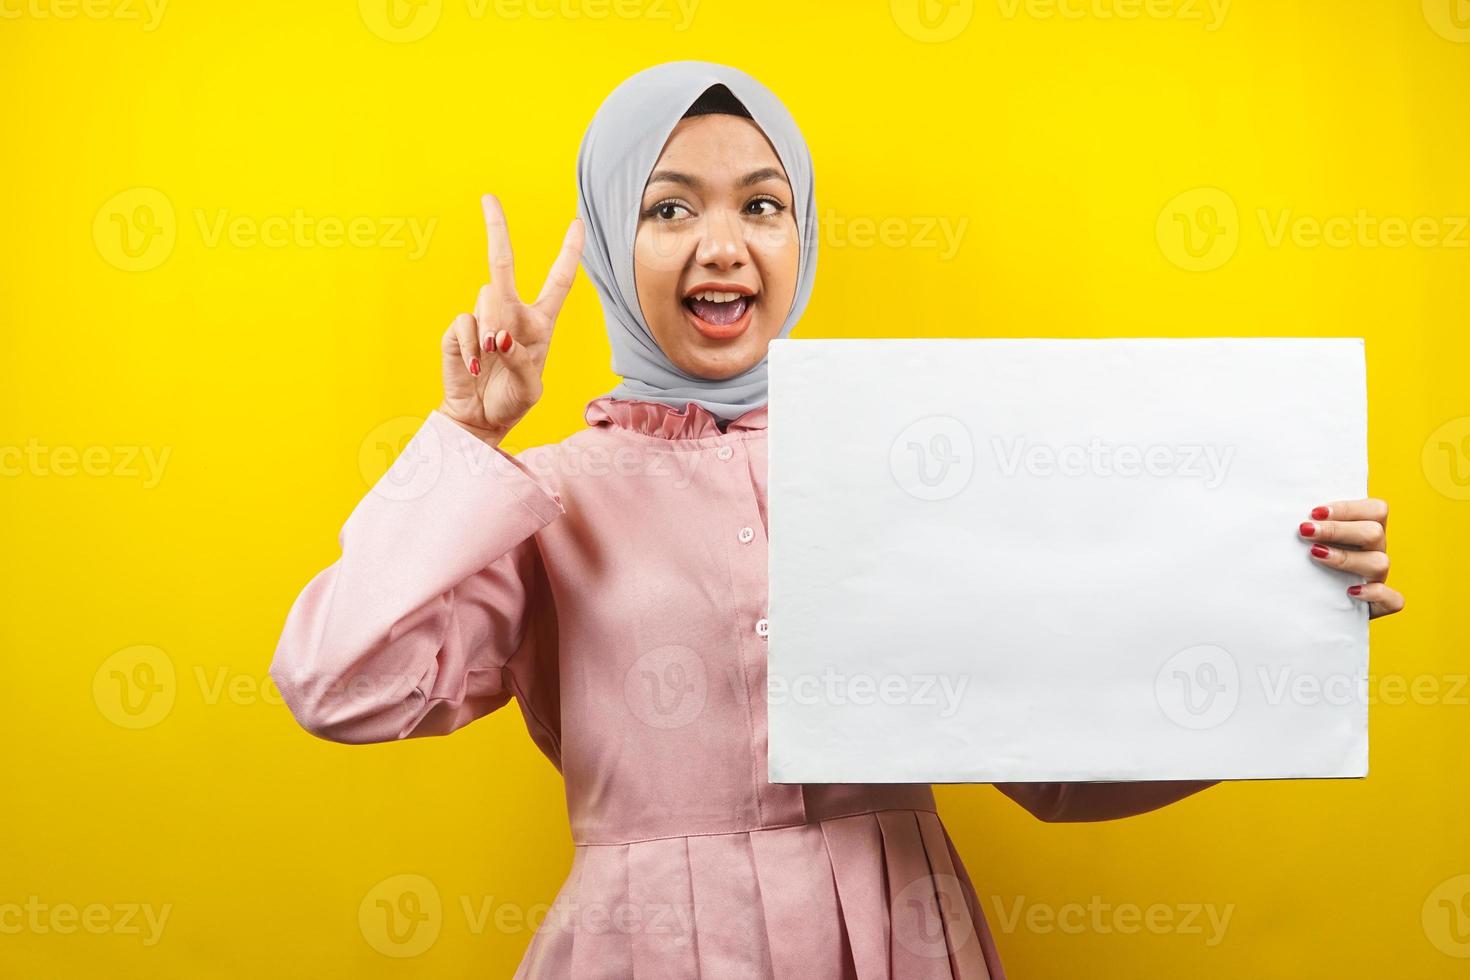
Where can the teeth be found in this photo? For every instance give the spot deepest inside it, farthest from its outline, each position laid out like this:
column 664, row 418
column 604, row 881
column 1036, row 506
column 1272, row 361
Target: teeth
column 711, row 296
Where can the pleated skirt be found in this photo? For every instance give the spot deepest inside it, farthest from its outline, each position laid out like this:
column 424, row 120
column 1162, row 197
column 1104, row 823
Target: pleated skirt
column 874, row 896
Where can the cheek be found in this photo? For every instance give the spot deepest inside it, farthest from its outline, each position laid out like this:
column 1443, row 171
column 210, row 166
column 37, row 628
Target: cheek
column 772, row 241
column 780, row 256
column 657, row 266
column 659, row 249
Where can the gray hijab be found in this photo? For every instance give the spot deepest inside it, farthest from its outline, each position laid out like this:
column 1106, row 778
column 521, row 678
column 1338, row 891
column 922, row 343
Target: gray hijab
column 618, row 152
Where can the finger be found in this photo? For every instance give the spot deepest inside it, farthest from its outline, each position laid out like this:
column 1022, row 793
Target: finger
column 458, row 344
column 1382, row 600
column 1371, row 565
column 502, row 262
column 464, row 333
column 1367, row 535
column 485, row 319
column 563, row 272
column 1367, row 509
column 504, row 342
column 522, row 362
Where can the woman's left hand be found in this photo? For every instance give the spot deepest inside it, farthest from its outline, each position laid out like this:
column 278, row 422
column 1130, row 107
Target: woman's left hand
column 1352, row 535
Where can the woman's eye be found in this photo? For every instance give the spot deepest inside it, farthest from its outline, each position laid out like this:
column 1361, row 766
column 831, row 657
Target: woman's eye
column 765, row 206
column 666, row 210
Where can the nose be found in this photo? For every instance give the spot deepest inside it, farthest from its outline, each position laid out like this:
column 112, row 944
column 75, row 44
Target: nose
column 722, row 242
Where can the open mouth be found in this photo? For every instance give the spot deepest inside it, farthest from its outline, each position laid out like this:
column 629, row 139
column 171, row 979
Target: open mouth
column 720, row 313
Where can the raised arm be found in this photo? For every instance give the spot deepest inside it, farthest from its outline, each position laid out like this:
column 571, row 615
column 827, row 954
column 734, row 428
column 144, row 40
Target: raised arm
column 435, row 612
column 435, row 606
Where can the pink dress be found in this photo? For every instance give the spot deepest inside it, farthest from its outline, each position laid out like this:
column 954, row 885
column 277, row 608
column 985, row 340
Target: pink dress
column 614, row 585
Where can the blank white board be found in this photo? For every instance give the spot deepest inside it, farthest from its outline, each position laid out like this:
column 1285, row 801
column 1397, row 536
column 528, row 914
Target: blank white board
column 1062, row 560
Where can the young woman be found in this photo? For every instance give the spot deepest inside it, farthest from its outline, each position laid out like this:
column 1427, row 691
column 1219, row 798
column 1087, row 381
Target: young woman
column 614, row 584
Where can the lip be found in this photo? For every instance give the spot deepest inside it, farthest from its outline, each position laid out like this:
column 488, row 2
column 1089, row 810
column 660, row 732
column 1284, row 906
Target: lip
column 727, row 331
column 719, row 287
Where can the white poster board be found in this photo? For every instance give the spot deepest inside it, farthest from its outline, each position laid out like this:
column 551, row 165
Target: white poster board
column 1039, row 560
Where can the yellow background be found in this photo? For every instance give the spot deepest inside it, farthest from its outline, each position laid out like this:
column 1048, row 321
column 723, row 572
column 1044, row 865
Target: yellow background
column 1066, row 148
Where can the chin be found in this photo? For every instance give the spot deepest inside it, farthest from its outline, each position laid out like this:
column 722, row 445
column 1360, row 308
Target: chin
column 718, row 365
column 714, row 360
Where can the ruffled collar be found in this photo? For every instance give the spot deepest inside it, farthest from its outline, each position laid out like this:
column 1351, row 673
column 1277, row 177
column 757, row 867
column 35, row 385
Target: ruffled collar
column 693, row 421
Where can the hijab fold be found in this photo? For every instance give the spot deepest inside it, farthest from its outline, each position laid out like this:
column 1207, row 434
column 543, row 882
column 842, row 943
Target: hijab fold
column 618, row 152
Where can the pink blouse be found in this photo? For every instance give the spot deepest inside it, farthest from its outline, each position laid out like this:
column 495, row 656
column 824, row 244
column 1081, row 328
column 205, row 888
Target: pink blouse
column 614, row 584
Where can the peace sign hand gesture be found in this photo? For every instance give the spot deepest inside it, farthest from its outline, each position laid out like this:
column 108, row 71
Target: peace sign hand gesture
column 493, row 358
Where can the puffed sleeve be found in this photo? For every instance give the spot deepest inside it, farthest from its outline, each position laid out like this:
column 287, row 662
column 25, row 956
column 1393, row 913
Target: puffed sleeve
column 437, row 611
column 1082, row 802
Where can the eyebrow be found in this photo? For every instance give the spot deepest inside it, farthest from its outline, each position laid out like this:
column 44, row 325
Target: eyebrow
column 754, row 177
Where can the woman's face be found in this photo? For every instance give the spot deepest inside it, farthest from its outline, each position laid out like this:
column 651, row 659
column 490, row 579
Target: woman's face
column 716, row 255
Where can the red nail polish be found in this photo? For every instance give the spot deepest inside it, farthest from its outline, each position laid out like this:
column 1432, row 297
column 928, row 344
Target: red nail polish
column 1318, row 551
column 475, row 366
column 1355, row 590
column 1319, row 513
column 1308, row 529
column 505, row 344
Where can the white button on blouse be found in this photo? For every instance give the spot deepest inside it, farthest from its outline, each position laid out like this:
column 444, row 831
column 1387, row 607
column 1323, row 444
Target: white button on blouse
column 724, row 452
column 746, row 534
column 762, row 627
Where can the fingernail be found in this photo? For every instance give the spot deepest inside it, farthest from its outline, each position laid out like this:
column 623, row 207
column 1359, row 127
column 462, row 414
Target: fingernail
column 1355, row 590
column 488, row 343
column 1319, row 513
column 1319, row 552
column 475, row 366
column 1308, row 529
column 505, row 343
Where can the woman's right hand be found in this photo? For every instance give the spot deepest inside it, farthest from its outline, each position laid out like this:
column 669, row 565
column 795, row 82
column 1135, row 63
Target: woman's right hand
column 493, row 358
